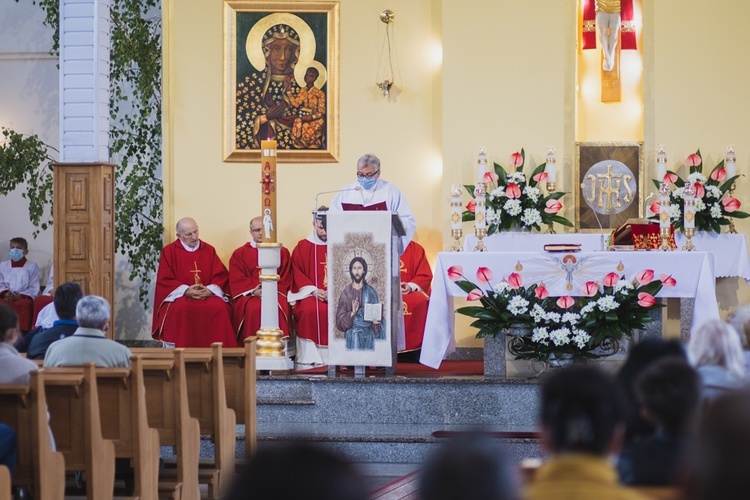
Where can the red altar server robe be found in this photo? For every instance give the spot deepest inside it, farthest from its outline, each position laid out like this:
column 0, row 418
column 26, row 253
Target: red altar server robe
column 415, row 269
column 309, row 270
column 188, row 322
column 243, row 279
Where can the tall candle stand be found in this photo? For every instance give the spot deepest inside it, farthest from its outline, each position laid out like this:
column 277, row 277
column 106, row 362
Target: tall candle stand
column 456, row 218
column 551, row 187
column 664, row 216
column 688, row 222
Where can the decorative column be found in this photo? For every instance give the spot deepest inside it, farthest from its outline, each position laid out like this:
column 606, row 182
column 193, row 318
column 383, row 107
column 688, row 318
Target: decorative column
column 270, row 344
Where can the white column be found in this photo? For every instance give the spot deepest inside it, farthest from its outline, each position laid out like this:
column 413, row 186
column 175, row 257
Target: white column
column 84, row 80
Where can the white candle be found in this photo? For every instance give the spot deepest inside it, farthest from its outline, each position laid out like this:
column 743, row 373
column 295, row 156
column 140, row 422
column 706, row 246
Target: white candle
column 479, row 212
column 550, row 168
column 661, row 163
column 689, row 215
column 664, row 207
column 456, row 206
column 481, row 164
column 731, row 162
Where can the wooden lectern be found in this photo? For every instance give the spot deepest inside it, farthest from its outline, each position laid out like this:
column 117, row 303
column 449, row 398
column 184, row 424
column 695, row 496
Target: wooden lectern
column 367, row 244
column 84, row 224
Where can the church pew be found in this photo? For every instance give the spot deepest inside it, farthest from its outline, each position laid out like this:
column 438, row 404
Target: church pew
column 73, row 403
column 5, row 484
column 24, row 408
column 169, row 414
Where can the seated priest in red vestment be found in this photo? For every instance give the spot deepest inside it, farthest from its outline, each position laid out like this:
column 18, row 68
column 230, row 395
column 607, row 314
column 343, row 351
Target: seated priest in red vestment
column 244, row 283
column 416, row 278
column 19, row 282
column 309, row 295
column 191, row 303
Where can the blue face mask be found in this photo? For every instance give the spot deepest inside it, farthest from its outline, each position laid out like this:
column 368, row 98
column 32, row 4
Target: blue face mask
column 16, row 254
column 367, row 183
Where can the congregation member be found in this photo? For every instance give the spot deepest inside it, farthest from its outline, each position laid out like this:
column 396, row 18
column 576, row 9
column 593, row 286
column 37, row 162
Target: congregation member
column 66, row 299
column 244, row 283
column 715, row 351
column 14, row 368
column 581, row 427
column 89, row 343
column 8, row 448
column 416, row 278
column 370, row 192
column 191, row 300
column 669, row 393
column 46, row 297
column 19, row 282
column 739, row 318
column 309, row 292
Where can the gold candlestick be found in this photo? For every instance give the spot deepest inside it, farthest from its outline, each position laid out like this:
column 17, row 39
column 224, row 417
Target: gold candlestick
column 732, row 230
column 664, row 233
column 456, row 235
column 480, row 233
column 689, row 233
column 551, row 187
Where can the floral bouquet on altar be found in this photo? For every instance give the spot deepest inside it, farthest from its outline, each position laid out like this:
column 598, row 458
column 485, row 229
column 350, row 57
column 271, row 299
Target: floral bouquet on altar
column 713, row 206
column 589, row 326
column 512, row 200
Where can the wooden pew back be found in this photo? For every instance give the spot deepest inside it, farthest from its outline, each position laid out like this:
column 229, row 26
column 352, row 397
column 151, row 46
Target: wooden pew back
column 24, row 408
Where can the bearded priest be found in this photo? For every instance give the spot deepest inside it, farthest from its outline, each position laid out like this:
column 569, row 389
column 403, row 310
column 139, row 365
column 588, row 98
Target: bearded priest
column 191, row 304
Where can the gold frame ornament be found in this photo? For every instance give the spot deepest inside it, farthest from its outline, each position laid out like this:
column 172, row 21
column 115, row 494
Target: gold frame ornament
column 589, row 154
column 267, row 98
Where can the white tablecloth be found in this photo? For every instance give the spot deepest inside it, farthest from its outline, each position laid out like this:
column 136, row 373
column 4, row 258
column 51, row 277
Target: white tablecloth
column 730, row 250
column 693, row 271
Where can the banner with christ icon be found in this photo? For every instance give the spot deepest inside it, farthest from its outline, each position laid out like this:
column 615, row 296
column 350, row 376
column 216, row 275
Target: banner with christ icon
column 609, row 181
column 361, row 326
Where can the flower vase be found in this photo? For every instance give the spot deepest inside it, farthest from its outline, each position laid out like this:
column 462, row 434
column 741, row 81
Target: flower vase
column 560, row 360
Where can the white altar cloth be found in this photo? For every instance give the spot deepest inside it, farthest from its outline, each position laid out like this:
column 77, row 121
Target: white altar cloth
column 730, row 250
column 693, row 271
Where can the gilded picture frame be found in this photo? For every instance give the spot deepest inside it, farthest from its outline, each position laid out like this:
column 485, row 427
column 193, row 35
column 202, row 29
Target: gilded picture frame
column 281, row 80
column 609, row 182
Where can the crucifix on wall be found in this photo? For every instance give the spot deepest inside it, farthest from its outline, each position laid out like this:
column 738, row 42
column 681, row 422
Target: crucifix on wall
column 614, row 20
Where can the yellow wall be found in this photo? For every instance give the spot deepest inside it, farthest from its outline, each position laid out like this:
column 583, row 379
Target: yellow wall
column 507, row 81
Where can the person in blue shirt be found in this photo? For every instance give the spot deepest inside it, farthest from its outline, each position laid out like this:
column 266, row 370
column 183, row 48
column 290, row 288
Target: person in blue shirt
column 66, row 298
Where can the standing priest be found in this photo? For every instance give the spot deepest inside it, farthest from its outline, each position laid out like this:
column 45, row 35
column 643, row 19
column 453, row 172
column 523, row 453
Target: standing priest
column 191, row 305
column 244, row 283
column 370, row 192
column 416, row 278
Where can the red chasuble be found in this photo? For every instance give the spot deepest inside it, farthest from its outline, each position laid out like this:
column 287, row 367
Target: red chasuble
column 415, row 269
column 244, row 276
column 189, row 322
column 310, row 314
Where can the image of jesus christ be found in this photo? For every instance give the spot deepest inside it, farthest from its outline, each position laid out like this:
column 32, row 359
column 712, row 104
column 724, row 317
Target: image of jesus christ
column 350, row 311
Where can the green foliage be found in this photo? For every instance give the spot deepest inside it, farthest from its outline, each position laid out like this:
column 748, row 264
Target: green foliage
column 135, row 134
column 25, row 161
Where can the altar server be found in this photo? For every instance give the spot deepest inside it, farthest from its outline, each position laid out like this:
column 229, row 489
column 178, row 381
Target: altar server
column 19, row 282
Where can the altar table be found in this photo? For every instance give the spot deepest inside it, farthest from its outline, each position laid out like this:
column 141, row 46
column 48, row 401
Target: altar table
column 730, row 250
column 693, row 271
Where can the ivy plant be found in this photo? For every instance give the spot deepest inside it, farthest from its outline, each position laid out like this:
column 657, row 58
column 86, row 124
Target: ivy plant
column 135, row 137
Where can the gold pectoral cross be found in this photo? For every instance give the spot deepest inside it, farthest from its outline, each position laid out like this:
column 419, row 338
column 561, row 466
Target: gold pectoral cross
column 196, row 272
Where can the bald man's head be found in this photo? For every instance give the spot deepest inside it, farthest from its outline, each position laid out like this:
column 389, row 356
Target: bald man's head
column 187, row 231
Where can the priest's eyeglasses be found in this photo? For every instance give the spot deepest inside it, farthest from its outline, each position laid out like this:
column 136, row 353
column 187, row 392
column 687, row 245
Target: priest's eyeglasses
column 368, row 176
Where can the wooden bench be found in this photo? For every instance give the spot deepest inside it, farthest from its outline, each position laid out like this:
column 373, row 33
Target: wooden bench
column 122, row 404
column 169, row 414
column 24, row 408
column 73, row 402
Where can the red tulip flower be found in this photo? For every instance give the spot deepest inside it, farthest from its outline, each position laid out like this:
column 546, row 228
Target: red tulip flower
column 731, row 204
column 670, row 178
column 541, row 176
column 667, row 280
column 646, row 299
column 700, row 191
column 565, row 302
column 719, row 174
column 645, row 276
column 484, row 274
column 693, row 160
column 475, row 294
column 541, row 292
column 471, row 206
column 553, row 206
column 490, row 177
column 515, row 281
column 512, row 191
column 516, row 159
column 611, row 279
column 455, row 273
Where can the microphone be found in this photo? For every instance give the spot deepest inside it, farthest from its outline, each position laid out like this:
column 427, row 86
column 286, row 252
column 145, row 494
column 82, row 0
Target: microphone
column 601, row 228
column 315, row 206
